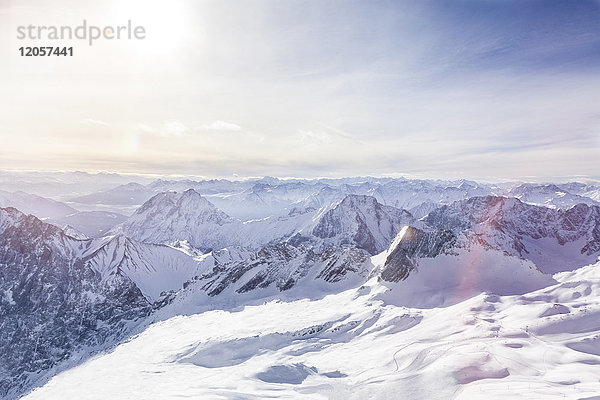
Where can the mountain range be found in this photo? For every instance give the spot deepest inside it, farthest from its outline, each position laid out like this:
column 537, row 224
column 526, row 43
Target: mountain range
column 66, row 295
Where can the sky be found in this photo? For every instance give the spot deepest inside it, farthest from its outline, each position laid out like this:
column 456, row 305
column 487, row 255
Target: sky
column 487, row 89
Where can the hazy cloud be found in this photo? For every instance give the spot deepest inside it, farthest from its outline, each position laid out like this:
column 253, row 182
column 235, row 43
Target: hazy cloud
column 173, row 128
column 220, row 126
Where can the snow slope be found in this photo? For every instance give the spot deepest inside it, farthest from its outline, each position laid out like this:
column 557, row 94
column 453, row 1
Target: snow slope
column 356, row 344
column 153, row 268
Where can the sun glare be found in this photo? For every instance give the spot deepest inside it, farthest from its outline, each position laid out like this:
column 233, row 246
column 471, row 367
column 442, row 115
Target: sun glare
column 165, row 24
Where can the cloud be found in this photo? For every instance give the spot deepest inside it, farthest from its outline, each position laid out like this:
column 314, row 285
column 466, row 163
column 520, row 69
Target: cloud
column 173, row 128
column 220, row 126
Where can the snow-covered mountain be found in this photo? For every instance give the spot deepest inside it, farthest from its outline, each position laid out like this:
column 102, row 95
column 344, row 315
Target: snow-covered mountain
column 439, row 253
column 261, row 198
column 363, row 222
column 60, row 294
column 554, row 240
column 334, row 290
column 265, row 199
column 420, row 197
column 90, row 223
column 582, row 189
column 74, row 233
column 51, row 302
column 204, row 187
column 123, row 195
column 153, row 268
column 439, row 268
column 356, row 220
column 278, row 268
column 172, row 216
column 63, row 185
column 553, row 196
column 39, row 206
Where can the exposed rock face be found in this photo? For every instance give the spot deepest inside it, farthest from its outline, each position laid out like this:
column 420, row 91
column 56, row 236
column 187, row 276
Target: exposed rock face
column 51, row 302
column 339, row 263
column 280, row 266
column 415, row 244
column 525, row 230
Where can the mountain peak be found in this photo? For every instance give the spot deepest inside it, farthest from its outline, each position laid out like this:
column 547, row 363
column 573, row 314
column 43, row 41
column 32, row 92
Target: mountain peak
column 171, row 216
column 362, row 221
column 187, row 202
column 358, row 200
column 192, row 195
